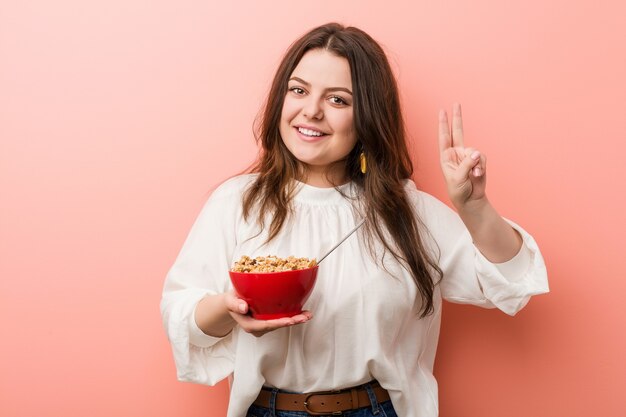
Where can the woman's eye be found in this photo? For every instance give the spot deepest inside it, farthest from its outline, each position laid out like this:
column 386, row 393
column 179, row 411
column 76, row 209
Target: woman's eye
column 337, row 100
column 297, row 90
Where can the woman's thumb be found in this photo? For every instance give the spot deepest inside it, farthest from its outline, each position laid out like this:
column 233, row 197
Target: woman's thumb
column 236, row 304
column 471, row 159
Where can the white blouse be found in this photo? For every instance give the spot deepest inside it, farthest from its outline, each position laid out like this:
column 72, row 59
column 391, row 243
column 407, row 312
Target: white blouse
column 365, row 322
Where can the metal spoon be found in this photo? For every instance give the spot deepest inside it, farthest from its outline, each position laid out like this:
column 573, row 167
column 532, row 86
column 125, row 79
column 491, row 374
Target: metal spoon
column 313, row 262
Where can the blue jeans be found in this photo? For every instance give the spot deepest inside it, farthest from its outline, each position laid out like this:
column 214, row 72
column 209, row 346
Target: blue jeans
column 375, row 409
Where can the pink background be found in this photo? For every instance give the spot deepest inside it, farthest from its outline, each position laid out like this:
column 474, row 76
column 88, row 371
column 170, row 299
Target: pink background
column 118, row 117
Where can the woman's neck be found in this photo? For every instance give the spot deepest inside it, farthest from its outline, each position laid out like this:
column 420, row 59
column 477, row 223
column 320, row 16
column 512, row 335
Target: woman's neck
column 324, row 177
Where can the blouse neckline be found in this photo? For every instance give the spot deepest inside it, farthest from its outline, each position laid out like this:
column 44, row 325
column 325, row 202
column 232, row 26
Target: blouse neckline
column 306, row 193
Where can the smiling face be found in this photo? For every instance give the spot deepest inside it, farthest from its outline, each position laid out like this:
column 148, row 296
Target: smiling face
column 317, row 117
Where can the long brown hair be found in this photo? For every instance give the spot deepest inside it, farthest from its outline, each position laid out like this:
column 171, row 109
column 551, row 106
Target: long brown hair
column 379, row 127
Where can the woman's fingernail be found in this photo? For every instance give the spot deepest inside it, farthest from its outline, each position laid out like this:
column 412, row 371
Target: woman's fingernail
column 477, row 171
column 475, row 155
column 242, row 308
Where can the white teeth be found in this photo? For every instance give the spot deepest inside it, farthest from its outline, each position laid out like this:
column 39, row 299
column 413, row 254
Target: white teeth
column 309, row 132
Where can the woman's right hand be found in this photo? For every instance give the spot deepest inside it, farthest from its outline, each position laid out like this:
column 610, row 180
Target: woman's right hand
column 238, row 310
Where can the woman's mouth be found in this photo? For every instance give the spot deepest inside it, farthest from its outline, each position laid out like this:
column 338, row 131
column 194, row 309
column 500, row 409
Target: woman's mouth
column 309, row 135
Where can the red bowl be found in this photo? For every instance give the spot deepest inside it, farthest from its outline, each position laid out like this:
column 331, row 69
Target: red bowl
column 272, row 295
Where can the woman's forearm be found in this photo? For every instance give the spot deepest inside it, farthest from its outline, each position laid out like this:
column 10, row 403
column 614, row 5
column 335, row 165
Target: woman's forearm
column 492, row 235
column 212, row 316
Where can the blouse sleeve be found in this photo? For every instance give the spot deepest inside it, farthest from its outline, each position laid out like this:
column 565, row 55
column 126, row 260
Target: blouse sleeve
column 468, row 277
column 200, row 269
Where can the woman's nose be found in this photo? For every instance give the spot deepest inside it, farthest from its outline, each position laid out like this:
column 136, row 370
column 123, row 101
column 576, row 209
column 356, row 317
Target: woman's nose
column 313, row 109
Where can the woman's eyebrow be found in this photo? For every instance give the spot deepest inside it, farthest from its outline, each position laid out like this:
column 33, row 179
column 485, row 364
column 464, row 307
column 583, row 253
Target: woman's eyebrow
column 300, row 80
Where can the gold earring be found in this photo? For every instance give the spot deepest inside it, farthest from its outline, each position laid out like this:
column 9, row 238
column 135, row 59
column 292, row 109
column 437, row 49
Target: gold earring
column 363, row 162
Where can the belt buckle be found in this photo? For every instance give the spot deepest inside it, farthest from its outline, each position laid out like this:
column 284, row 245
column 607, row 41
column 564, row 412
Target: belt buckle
column 317, row 413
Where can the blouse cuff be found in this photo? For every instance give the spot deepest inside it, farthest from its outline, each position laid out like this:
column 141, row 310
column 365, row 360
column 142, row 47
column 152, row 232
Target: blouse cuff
column 509, row 285
column 196, row 336
column 516, row 268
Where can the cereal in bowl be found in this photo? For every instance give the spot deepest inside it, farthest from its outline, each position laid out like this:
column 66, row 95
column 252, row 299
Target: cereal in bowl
column 272, row 264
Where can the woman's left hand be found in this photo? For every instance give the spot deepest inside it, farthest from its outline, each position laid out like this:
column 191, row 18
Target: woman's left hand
column 463, row 168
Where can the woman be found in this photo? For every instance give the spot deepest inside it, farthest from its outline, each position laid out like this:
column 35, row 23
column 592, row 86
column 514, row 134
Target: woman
column 334, row 153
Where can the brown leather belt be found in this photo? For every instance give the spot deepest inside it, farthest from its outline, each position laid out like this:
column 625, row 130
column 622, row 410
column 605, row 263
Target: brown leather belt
column 323, row 402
